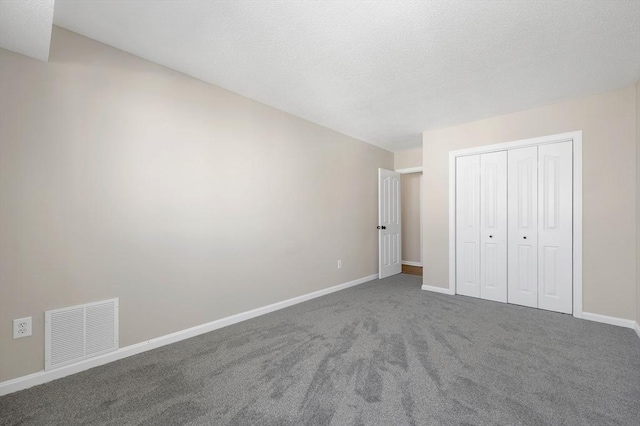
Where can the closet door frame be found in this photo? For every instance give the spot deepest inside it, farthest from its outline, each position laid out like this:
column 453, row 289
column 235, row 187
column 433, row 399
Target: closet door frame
column 576, row 138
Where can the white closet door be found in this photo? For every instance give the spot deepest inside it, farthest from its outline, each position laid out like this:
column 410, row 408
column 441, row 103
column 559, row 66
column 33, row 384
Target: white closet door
column 493, row 226
column 523, row 226
column 555, row 231
column 468, row 225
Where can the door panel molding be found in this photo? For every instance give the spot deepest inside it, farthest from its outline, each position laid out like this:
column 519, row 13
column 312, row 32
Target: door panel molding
column 555, row 231
column 468, row 219
column 523, row 226
column 493, row 226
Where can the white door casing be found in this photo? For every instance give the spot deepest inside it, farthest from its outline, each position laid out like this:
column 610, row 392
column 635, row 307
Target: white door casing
column 389, row 224
column 555, row 213
column 523, row 226
column 493, row 226
column 468, row 226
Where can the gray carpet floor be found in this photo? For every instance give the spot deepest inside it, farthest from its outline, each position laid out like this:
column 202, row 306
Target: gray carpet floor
column 382, row 353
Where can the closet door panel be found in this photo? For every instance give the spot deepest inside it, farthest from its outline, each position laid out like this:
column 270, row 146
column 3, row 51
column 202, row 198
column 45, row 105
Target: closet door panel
column 468, row 225
column 493, row 226
column 555, row 231
column 523, row 226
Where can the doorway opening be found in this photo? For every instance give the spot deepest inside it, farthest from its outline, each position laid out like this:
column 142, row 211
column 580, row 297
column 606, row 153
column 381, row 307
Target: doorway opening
column 411, row 208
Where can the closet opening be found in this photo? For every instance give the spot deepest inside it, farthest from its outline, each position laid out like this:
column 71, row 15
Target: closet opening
column 515, row 222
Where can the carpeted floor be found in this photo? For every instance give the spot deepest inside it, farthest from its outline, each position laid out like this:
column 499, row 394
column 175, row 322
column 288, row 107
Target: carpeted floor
column 382, row 353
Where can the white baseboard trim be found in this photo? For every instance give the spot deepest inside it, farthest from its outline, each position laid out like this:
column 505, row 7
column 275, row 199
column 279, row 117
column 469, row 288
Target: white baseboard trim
column 621, row 322
column 410, row 263
column 438, row 289
column 610, row 320
column 41, row 377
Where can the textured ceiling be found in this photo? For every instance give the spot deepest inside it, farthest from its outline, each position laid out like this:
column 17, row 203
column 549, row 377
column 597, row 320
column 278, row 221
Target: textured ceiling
column 25, row 27
column 381, row 71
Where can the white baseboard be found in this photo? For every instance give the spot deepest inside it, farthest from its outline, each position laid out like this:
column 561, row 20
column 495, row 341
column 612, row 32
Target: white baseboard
column 609, row 320
column 438, row 289
column 41, row 377
column 410, row 263
column 621, row 322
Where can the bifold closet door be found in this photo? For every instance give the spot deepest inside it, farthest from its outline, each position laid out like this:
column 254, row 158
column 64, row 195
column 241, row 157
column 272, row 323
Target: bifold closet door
column 555, row 230
column 468, row 225
column 493, row 226
column 523, row 226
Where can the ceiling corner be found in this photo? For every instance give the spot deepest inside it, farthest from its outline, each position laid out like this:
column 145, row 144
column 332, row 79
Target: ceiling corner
column 25, row 27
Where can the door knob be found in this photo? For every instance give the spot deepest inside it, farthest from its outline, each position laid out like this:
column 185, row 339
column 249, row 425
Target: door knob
column 490, row 236
column 382, row 227
column 524, row 238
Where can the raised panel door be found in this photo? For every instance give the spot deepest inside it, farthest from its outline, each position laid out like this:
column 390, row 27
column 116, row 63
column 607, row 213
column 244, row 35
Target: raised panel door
column 493, row 226
column 468, row 225
column 555, row 230
column 389, row 224
column 522, row 258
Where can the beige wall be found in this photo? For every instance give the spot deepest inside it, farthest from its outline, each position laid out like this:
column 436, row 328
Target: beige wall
column 411, row 217
column 608, row 122
column 408, row 158
column 121, row 178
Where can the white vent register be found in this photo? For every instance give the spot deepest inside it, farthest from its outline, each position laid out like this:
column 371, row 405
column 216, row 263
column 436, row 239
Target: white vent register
column 80, row 332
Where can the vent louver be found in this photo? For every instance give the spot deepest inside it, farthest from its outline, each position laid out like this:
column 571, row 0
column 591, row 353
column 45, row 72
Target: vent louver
column 80, row 332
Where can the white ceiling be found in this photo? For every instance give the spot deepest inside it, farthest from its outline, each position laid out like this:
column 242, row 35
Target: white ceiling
column 25, row 27
column 381, row 71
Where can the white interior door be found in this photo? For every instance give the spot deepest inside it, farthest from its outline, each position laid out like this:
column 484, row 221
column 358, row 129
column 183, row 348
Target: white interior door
column 555, row 230
column 468, row 225
column 493, row 226
column 523, row 226
column 389, row 224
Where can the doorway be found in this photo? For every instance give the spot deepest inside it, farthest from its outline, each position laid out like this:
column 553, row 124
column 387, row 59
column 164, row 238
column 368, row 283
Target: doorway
column 400, row 221
column 411, row 207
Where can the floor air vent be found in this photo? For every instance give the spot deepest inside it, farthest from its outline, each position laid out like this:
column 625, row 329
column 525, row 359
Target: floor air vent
column 80, row 332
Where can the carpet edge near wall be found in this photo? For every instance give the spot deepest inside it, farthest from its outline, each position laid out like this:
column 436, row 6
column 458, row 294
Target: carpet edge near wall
column 43, row 376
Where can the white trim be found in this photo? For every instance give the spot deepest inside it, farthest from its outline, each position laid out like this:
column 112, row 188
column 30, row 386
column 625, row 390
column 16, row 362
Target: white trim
column 41, row 377
column 379, row 224
column 442, row 290
column 409, row 170
column 452, row 223
column 420, row 213
column 576, row 137
column 605, row 319
column 620, row 322
column 577, row 224
column 522, row 143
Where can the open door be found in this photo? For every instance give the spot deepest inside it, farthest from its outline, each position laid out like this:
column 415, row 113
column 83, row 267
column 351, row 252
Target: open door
column 389, row 224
